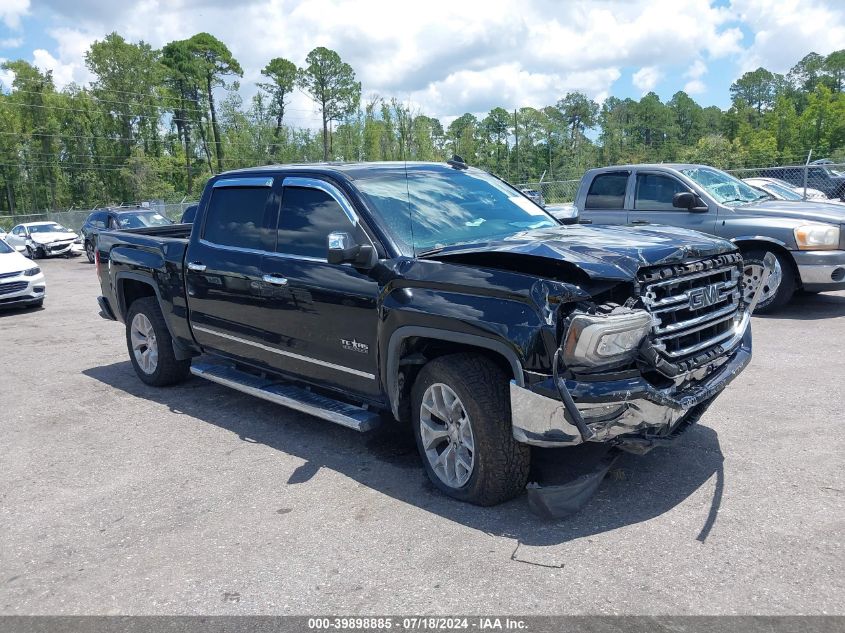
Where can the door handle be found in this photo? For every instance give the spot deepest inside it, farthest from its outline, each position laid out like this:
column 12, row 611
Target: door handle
column 197, row 266
column 276, row 281
column 639, row 222
column 585, row 221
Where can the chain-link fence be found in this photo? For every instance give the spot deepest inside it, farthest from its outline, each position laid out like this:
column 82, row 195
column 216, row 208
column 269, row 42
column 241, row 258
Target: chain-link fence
column 813, row 181
column 553, row 191
column 74, row 218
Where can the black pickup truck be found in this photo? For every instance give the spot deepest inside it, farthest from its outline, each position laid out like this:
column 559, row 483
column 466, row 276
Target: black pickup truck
column 436, row 295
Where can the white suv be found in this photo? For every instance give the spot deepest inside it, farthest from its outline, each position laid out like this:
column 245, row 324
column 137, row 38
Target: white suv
column 21, row 281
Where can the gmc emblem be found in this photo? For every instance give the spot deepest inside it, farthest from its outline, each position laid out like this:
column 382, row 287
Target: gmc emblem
column 706, row 296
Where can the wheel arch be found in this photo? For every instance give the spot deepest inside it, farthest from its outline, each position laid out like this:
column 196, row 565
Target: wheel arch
column 747, row 243
column 416, row 345
column 133, row 286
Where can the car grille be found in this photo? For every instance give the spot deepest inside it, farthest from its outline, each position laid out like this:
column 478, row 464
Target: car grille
column 60, row 246
column 693, row 305
column 7, row 275
column 15, row 286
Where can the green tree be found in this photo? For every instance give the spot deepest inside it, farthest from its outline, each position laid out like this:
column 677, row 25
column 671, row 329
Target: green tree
column 282, row 75
column 758, row 88
column 214, row 62
column 331, row 84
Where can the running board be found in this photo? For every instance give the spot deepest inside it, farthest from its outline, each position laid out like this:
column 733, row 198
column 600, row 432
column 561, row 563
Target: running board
column 289, row 395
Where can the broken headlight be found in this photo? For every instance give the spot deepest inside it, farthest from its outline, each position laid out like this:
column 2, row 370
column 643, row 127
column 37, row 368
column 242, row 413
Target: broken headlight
column 597, row 340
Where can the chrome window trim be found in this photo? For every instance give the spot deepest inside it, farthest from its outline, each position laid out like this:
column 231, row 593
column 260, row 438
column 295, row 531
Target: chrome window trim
column 326, row 187
column 243, row 182
column 256, row 251
column 307, row 359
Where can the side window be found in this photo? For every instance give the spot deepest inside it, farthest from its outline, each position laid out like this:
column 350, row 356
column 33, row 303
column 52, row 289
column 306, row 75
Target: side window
column 654, row 192
column 19, row 230
column 98, row 220
column 241, row 217
column 307, row 217
column 607, row 191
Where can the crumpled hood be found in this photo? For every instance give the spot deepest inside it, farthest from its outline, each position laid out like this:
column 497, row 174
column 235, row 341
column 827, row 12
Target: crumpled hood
column 795, row 209
column 603, row 252
column 47, row 238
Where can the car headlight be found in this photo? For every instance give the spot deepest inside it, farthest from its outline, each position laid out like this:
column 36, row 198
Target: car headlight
column 817, row 237
column 596, row 340
column 31, row 272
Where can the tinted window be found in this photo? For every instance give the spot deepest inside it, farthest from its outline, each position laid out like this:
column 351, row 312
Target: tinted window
column 307, row 218
column 655, row 192
column 98, row 220
column 607, row 191
column 240, row 216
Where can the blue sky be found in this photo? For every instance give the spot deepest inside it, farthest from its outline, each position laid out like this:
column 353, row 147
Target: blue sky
column 447, row 57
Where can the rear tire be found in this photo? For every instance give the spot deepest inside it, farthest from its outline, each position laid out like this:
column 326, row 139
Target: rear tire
column 89, row 251
column 151, row 346
column 495, row 469
column 781, row 286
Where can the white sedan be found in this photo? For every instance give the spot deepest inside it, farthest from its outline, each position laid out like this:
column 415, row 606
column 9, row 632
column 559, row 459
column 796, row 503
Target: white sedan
column 45, row 239
column 21, row 282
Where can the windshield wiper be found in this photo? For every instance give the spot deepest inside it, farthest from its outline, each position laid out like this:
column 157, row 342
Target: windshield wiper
column 431, row 251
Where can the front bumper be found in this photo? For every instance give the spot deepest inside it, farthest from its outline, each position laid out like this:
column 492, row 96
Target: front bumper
column 58, row 249
column 21, row 290
column 821, row 270
column 625, row 411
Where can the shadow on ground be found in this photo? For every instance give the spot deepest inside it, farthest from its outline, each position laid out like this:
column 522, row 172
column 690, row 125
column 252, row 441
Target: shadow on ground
column 638, row 488
column 810, row 307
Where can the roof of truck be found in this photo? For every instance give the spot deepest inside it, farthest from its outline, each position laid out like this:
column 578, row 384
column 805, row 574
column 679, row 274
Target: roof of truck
column 675, row 166
column 351, row 170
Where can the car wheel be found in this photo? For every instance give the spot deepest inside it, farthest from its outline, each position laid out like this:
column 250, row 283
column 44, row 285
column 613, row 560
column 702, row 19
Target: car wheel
column 461, row 422
column 151, row 346
column 89, row 251
column 779, row 287
column 33, row 253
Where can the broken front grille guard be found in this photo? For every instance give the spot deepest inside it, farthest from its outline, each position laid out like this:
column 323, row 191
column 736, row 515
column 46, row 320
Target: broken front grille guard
column 627, row 405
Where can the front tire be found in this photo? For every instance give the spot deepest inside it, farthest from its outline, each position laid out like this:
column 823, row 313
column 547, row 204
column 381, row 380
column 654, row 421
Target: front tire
column 33, row 253
column 780, row 286
column 151, row 346
column 461, row 421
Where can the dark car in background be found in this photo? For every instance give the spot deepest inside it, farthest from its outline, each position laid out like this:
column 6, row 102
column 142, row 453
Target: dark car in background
column 118, row 219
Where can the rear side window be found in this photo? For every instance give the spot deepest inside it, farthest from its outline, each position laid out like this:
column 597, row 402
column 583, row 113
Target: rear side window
column 607, row 191
column 241, row 217
column 98, row 220
column 655, row 192
column 307, row 218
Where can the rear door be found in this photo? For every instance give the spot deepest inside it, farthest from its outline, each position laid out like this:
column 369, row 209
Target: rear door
column 652, row 203
column 227, row 294
column 323, row 316
column 605, row 201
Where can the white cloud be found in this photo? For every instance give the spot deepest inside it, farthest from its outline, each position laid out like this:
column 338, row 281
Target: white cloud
column 11, row 42
column 11, row 12
column 449, row 57
column 646, row 78
column 44, row 61
column 787, row 30
column 6, row 76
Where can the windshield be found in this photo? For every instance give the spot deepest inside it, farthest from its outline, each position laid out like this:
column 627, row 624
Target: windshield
column 448, row 206
column 784, row 193
column 723, row 188
column 48, row 228
column 5, row 248
column 141, row 220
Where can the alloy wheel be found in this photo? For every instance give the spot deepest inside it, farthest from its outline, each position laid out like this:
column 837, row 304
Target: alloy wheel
column 446, row 434
column 144, row 344
column 751, row 275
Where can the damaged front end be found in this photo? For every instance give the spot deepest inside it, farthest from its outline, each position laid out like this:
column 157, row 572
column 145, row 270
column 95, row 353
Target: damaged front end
column 635, row 375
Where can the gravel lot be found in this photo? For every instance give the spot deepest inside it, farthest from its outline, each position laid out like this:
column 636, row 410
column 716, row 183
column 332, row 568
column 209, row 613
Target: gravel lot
column 117, row 498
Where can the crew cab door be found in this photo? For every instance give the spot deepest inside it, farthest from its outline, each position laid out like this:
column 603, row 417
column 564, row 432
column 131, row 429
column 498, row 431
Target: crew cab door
column 652, row 203
column 324, row 316
column 17, row 236
column 605, row 200
column 227, row 295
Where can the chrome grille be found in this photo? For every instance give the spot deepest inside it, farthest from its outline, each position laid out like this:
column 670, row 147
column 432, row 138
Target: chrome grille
column 693, row 304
